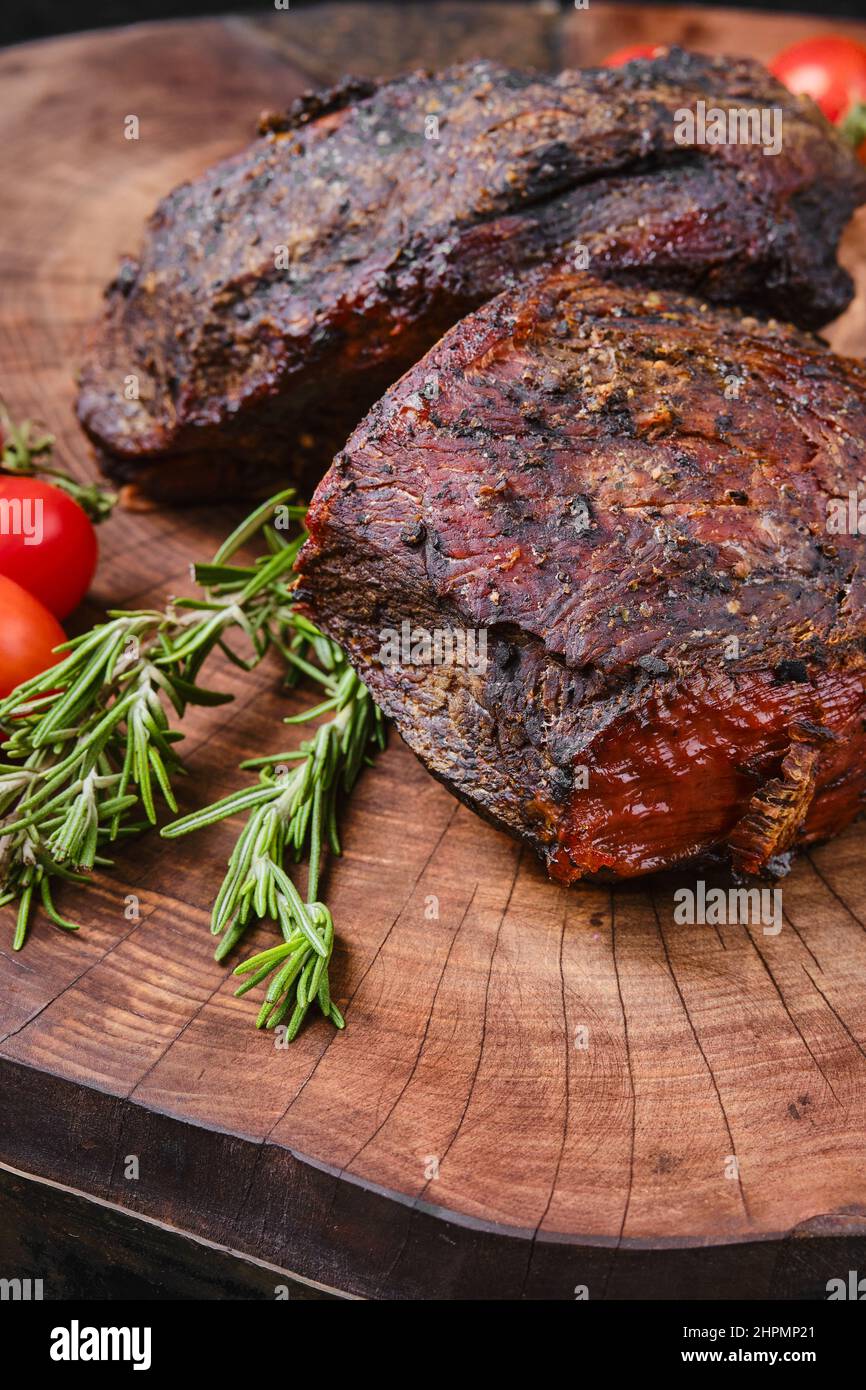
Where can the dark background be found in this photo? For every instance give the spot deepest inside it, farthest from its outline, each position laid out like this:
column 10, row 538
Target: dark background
column 40, row 18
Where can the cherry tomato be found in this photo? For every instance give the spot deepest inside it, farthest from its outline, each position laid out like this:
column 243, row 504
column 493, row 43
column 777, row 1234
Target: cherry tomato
column 28, row 632
column 47, row 544
column 625, row 55
column 831, row 70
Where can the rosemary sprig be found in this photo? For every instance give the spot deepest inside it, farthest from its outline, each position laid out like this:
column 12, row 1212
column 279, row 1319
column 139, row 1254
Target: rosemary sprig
column 26, row 451
column 91, row 748
column 293, row 814
column 90, row 740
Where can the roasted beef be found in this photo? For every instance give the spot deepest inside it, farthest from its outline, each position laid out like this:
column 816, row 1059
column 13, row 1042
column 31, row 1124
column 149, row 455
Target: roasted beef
column 649, row 507
column 277, row 296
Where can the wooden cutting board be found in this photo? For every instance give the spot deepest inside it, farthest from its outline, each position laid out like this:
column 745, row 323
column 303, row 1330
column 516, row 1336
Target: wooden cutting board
column 539, row 1090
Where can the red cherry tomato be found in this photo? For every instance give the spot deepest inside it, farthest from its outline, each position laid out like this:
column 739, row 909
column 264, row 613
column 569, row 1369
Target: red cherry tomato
column 28, row 632
column 626, row 55
column 47, row 544
column 831, row 70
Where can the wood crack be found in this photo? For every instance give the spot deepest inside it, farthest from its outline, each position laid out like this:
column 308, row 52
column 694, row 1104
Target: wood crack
column 421, row 1043
column 796, row 1026
column 449, row 1146
column 710, row 1072
column 633, row 1135
column 565, row 1118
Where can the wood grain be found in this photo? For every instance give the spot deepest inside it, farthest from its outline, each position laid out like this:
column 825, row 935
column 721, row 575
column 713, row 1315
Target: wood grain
column 558, row 1165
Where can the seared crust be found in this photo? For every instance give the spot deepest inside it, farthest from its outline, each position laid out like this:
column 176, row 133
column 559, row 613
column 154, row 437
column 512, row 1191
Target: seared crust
column 629, row 492
column 253, row 362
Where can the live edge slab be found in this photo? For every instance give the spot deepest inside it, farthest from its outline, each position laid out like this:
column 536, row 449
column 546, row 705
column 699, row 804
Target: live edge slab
column 540, row 1093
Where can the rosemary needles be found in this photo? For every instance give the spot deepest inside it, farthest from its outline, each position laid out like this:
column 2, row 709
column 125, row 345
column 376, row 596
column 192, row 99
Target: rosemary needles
column 292, row 815
column 91, row 753
column 90, row 748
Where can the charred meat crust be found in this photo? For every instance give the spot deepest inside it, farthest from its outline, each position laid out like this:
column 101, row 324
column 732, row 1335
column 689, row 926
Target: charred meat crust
column 277, row 296
column 629, row 493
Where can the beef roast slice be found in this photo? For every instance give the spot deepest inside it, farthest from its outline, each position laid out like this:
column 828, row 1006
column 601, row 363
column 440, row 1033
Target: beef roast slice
column 641, row 502
column 281, row 293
